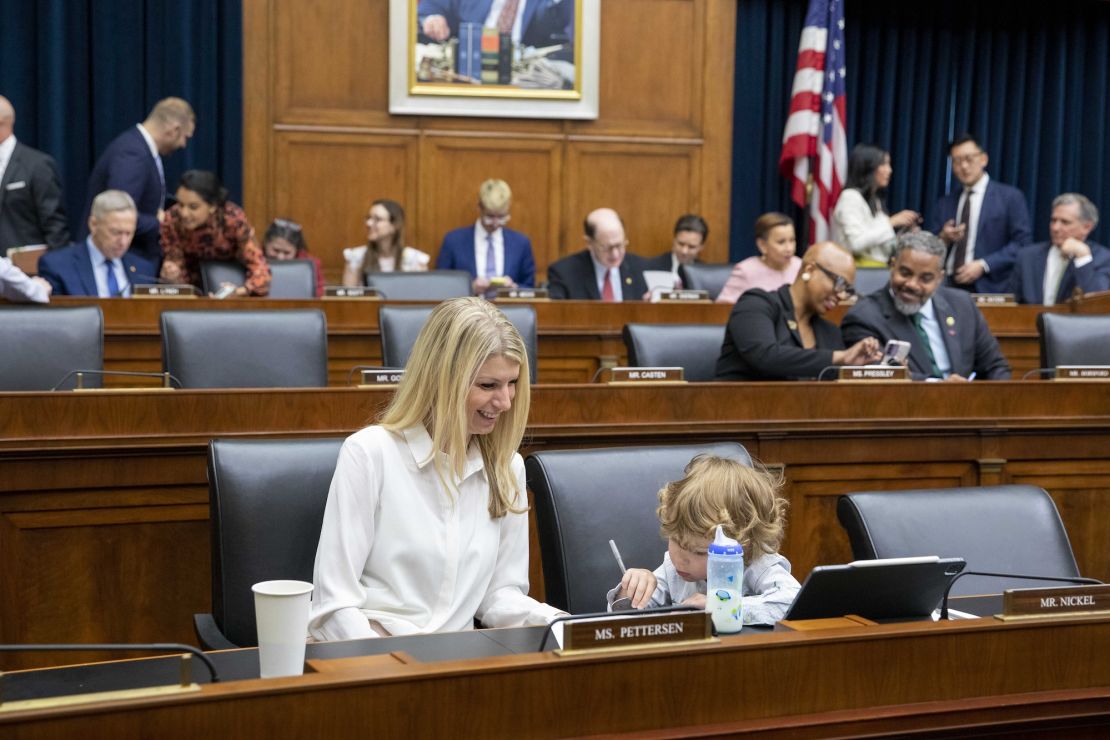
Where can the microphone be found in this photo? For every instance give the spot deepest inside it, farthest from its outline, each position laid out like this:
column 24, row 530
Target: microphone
column 590, row 615
column 1061, row 579
column 164, row 377
column 174, row 647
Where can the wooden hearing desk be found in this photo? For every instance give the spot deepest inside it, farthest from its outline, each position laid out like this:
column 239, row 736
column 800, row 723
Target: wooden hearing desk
column 973, row 677
column 104, row 497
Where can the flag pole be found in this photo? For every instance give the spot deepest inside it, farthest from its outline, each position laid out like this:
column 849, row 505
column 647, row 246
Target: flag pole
column 806, row 220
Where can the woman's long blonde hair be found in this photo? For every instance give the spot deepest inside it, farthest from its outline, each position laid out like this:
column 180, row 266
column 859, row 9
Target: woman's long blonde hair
column 458, row 338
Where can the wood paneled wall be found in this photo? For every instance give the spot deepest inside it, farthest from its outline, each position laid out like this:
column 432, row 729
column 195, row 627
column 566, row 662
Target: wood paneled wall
column 320, row 144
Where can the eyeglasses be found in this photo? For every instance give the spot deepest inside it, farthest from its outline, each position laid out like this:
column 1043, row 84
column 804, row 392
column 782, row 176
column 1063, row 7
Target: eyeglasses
column 844, row 289
column 967, row 158
column 610, row 247
column 489, row 218
column 286, row 224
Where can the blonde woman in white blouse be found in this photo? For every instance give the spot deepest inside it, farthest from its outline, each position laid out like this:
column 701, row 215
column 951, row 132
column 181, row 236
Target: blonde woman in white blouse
column 860, row 222
column 385, row 249
column 426, row 524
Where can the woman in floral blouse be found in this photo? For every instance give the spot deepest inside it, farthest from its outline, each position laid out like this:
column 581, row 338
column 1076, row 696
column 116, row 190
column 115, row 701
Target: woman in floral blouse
column 205, row 225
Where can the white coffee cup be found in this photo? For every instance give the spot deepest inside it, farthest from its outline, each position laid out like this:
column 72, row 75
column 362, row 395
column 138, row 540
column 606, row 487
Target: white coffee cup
column 281, row 616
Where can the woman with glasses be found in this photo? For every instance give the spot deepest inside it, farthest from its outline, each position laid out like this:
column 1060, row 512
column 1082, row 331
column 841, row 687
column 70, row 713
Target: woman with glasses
column 284, row 240
column 783, row 335
column 385, row 249
column 859, row 219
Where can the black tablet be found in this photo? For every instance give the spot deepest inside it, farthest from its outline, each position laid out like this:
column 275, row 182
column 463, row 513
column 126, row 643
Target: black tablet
column 896, row 588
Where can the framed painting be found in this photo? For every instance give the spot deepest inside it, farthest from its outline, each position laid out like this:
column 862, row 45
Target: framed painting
column 498, row 58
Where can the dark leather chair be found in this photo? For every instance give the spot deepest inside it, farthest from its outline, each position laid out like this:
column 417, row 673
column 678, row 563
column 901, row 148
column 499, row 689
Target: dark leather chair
column 214, row 273
column 400, row 325
column 266, row 507
column 1074, row 340
column 1001, row 529
column 246, row 349
column 39, row 346
column 707, row 276
column 434, row 285
column 870, row 279
column 693, row 347
column 584, row 498
column 292, row 279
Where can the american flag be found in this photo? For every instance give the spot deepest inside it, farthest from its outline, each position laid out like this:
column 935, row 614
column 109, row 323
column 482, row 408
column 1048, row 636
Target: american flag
column 814, row 138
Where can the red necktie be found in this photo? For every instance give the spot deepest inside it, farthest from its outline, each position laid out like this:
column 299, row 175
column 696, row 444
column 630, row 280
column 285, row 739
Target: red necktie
column 508, row 16
column 607, row 289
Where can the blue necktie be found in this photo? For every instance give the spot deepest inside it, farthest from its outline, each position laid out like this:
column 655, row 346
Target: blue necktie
column 491, row 264
column 113, row 284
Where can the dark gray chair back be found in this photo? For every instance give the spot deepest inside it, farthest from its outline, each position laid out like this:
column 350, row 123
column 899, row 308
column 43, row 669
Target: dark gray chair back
column 214, row 273
column 400, row 325
column 292, row 279
column 870, row 279
column 266, row 507
column 584, row 498
column 693, row 347
column 1000, row 529
column 246, row 349
column 39, row 346
column 708, row 276
column 1074, row 340
column 434, row 285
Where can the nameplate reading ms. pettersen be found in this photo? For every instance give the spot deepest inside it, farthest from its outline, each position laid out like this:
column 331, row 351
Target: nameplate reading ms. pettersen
column 647, row 375
column 873, row 373
column 163, row 291
column 523, row 294
column 371, row 378
column 1047, row 602
column 1082, row 372
column 357, row 292
column 995, row 299
column 683, row 296
column 635, row 630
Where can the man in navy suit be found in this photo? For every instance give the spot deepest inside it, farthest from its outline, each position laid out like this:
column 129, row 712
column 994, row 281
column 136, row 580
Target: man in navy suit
column 1048, row 272
column 133, row 163
column 605, row 270
column 948, row 335
column 101, row 265
column 493, row 254
column 984, row 224
column 536, row 23
column 30, row 191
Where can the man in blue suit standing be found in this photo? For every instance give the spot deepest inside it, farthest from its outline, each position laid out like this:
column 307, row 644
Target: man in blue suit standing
column 495, row 256
column 1048, row 272
column 133, row 163
column 984, row 224
column 101, row 265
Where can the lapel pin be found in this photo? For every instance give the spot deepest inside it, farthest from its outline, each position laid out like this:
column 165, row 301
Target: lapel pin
column 792, row 324
column 950, row 321
column 628, row 281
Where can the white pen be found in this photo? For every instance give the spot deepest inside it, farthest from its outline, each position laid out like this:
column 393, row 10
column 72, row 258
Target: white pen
column 617, row 555
column 969, row 377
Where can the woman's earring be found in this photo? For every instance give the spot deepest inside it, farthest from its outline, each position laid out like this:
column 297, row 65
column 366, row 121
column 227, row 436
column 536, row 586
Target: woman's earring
column 805, row 276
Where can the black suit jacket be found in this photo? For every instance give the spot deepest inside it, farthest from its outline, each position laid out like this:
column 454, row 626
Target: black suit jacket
column 1028, row 278
column 127, row 165
column 762, row 340
column 31, row 201
column 970, row 344
column 574, row 278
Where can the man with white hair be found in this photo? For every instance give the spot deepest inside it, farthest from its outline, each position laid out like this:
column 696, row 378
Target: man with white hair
column 1048, row 273
column 30, row 191
column 101, row 265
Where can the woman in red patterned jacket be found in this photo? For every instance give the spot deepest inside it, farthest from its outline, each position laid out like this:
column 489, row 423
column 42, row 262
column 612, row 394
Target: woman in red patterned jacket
column 205, row 225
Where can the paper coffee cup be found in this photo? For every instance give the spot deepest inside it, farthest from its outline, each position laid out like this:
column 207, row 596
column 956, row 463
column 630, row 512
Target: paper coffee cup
column 281, row 616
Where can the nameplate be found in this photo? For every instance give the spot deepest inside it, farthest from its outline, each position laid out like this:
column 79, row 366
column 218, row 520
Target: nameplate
column 873, row 373
column 163, row 291
column 358, row 292
column 636, row 630
column 388, row 376
column 1082, row 372
column 1055, row 601
column 683, row 296
column 647, row 375
column 995, row 299
column 523, row 294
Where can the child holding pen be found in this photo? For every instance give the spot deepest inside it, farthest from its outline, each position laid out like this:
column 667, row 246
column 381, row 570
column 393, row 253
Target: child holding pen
column 745, row 501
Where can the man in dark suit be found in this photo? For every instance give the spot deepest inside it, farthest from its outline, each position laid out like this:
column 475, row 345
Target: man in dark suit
column 690, row 233
column 30, row 191
column 133, row 163
column 101, row 265
column 984, row 224
column 949, row 336
column 493, row 254
column 1049, row 272
column 604, row 270
column 538, row 23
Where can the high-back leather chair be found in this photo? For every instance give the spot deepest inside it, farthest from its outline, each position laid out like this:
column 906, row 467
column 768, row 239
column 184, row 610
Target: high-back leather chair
column 870, row 279
column 214, row 273
column 1074, row 340
column 400, row 325
column 693, row 347
column 39, row 346
column 434, row 285
column 266, row 507
column 584, row 498
column 246, row 349
column 707, row 276
column 292, row 279
column 1000, row 529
